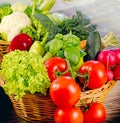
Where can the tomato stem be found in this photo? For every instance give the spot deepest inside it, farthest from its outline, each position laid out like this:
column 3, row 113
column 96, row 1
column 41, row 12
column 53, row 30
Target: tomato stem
column 84, row 104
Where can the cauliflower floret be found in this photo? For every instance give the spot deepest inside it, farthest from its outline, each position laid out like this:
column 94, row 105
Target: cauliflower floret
column 13, row 23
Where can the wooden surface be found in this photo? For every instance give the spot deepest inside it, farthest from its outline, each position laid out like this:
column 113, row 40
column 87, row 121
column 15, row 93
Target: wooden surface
column 104, row 13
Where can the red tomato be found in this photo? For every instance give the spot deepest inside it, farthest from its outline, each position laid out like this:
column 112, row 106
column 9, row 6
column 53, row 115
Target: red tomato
column 96, row 74
column 96, row 113
column 70, row 115
column 64, row 91
column 54, row 65
column 21, row 42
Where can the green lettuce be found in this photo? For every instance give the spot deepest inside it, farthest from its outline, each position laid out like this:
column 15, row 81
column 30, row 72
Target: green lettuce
column 24, row 72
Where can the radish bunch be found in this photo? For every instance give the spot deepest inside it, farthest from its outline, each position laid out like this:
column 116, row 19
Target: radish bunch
column 111, row 59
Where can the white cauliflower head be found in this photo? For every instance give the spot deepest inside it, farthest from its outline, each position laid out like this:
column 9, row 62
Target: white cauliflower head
column 13, row 23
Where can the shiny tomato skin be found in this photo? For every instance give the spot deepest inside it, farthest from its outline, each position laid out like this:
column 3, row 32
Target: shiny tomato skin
column 96, row 113
column 21, row 41
column 64, row 91
column 56, row 64
column 96, row 73
column 70, row 115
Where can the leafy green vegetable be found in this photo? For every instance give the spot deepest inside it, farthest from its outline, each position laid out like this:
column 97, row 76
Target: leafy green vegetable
column 72, row 54
column 41, row 27
column 5, row 9
column 57, row 17
column 79, row 24
column 68, row 47
column 24, row 72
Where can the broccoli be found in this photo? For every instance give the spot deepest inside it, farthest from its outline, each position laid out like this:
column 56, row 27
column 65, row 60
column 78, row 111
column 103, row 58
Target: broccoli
column 42, row 28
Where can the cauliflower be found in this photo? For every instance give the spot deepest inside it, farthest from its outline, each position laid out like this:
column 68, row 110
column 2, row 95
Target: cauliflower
column 13, row 23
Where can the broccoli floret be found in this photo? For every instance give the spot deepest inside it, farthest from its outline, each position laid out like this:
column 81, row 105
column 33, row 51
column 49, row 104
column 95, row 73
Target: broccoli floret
column 52, row 28
column 42, row 28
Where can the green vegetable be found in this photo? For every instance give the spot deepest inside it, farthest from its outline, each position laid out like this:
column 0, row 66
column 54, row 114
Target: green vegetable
column 57, row 17
column 24, row 72
column 5, row 9
column 81, row 61
column 39, row 6
column 48, row 25
column 30, row 11
column 3, row 36
column 72, row 54
column 46, row 5
column 37, row 48
column 41, row 27
column 72, row 40
column 67, row 47
column 79, row 24
column 93, row 46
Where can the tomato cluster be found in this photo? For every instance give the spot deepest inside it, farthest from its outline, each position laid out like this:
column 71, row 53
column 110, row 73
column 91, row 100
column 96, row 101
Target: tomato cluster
column 65, row 91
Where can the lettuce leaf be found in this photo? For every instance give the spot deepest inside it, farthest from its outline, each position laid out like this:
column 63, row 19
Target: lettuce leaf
column 24, row 72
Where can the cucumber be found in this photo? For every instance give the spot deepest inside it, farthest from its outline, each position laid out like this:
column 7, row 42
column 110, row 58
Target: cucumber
column 93, row 46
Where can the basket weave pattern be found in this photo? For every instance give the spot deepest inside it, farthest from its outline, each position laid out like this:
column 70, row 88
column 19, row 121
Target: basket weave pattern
column 4, row 45
column 36, row 107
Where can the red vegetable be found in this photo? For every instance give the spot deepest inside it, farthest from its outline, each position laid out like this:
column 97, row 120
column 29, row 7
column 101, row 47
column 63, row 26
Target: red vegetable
column 110, row 75
column 64, row 91
column 117, row 51
column 69, row 115
column 95, row 74
column 21, row 42
column 107, row 57
column 56, row 66
column 116, row 72
column 96, row 113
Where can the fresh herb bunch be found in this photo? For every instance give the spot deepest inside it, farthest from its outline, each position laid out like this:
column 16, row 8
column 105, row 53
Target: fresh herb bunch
column 79, row 24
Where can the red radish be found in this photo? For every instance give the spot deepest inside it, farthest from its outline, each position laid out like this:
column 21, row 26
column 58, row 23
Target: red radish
column 117, row 51
column 110, row 75
column 107, row 57
column 116, row 72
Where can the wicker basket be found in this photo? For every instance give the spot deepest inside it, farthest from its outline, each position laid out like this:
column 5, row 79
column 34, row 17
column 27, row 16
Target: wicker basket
column 38, row 108
column 4, row 45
